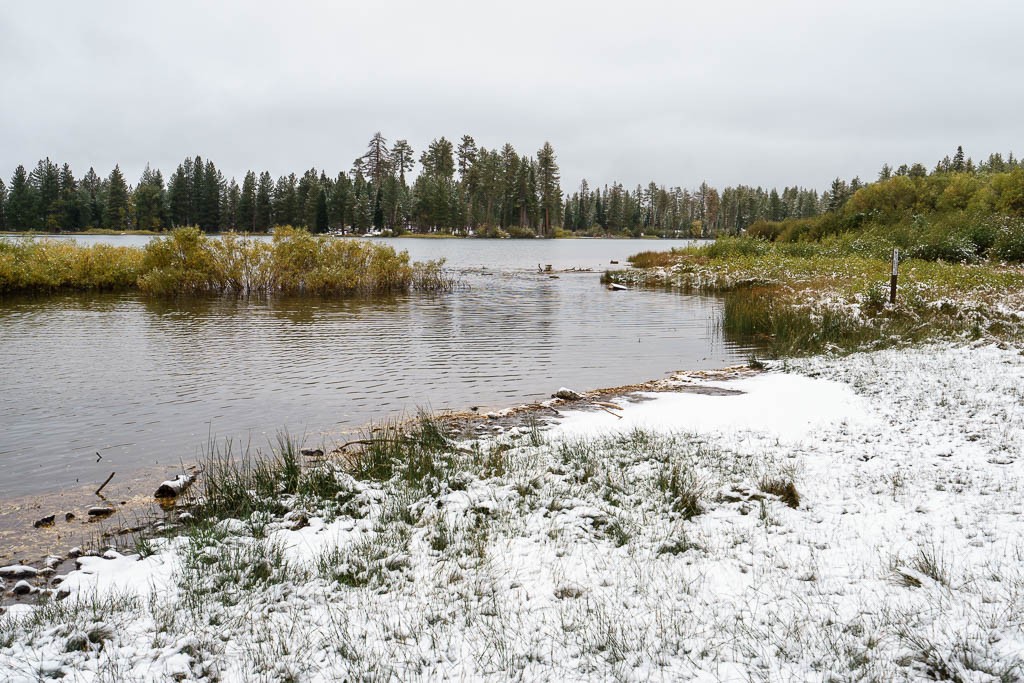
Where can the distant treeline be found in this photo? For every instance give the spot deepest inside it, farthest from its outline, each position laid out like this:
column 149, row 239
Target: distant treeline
column 459, row 188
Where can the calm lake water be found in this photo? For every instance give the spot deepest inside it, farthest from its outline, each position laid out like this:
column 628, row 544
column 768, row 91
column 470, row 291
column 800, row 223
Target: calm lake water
column 147, row 382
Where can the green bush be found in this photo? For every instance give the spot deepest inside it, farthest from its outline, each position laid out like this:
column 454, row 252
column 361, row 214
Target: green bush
column 1009, row 241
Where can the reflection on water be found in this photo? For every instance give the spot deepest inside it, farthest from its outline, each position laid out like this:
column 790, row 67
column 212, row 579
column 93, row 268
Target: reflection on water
column 147, row 382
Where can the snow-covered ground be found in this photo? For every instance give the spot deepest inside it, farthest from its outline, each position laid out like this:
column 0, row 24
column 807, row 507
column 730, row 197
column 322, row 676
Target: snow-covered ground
column 655, row 542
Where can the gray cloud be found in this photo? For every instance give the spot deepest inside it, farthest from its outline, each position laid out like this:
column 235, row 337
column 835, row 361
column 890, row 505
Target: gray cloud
column 732, row 92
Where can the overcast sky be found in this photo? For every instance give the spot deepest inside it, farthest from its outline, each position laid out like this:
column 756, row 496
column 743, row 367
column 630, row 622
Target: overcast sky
column 759, row 92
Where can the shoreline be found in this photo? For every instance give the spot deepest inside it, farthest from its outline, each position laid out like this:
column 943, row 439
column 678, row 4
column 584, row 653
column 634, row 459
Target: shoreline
column 128, row 492
column 854, row 514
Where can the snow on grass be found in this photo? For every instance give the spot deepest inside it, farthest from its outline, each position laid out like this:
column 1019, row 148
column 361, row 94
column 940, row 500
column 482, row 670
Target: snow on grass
column 857, row 518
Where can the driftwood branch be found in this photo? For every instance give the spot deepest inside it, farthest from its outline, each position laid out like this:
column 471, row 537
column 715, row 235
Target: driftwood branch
column 357, row 442
column 598, row 405
column 105, row 483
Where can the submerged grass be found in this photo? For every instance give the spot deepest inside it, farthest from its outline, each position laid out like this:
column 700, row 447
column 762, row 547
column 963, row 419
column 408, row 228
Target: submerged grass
column 187, row 262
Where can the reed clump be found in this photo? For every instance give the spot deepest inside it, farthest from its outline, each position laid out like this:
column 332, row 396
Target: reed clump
column 46, row 266
column 186, row 262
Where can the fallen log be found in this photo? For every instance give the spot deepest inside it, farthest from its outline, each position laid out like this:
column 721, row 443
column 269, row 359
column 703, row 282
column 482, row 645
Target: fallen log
column 173, row 488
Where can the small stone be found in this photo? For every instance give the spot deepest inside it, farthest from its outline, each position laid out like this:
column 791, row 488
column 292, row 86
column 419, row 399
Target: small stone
column 100, row 511
column 18, row 571
column 75, row 552
column 22, row 588
column 312, row 452
column 569, row 590
column 45, row 521
column 68, row 516
column 297, row 520
column 567, row 394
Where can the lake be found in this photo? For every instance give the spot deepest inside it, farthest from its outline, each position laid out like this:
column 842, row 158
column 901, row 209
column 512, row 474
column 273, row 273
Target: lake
column 146, row 382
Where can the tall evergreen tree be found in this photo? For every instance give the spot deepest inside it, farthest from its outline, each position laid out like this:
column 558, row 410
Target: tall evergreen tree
column 321, row 211
column 264, row 203
column 229, row 206
column 247, row 203
column 285, row 209
column 45, row 180
column 68, row 202
column 375, row 164
column 467, row 155
column 339, row 202
column 91, row 199
column 211, row 187
column 21, row 202
column 116, row 213
column 179, row 195
column 3, row 205
column 548, row 184
column 150, row 199
column 402, row 159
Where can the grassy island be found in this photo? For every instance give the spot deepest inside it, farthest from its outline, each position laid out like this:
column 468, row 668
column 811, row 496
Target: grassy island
column 187, row 262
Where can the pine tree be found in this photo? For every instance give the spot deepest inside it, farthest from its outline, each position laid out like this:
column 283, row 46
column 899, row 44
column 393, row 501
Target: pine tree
column 21, row 202
column 116, row 213
column 149, row 198
column 229, row 207
column 322, row 224
column 3, row 205
column 247, row 203
column 264, row 203
column 45, row 180
column 467, row 156
column 69, row 205
column 91, row 200
column 548, row 184
column 375, row 164
column 958, row 160
column 339, row 202
column 179, row 195
column 402, row 159
column 208, row 197
column 285, row 209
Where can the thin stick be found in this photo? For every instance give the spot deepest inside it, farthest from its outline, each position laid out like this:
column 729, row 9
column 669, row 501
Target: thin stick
column 357, row 442
column 105, row 483
column 607, row 411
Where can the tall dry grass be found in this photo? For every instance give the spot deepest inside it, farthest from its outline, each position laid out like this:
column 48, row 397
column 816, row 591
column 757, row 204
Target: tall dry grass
column 187, row 262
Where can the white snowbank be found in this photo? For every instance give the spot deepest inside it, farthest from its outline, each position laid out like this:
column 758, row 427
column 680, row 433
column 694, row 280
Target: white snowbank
column 781, row 405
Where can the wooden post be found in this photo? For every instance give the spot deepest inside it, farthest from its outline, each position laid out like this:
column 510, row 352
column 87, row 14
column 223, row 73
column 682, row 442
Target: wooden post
column 895, row 273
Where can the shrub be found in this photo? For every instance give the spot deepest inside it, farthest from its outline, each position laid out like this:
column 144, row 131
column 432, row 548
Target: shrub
column 654, row 259
column 1009, row 241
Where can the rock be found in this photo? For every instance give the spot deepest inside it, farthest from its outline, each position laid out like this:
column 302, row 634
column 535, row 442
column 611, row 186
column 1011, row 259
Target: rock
column 99, row 511
column 45, row 521
column 18, row 571
column 75, row 552
column 312, row 452
column 297, row 520
column 68, row 516
column 569, row 590
column 174, row 487
column 22, row 588
column 567, row 394
column 616, row 287
column 461, row 481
